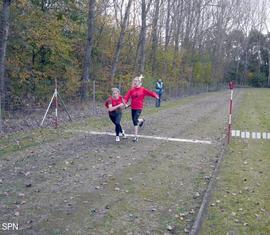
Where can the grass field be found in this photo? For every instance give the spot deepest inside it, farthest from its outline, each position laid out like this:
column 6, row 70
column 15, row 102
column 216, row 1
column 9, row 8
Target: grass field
column 240, row 202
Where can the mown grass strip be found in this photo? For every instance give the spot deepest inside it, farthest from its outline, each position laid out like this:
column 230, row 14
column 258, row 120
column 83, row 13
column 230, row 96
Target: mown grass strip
column 240, row 203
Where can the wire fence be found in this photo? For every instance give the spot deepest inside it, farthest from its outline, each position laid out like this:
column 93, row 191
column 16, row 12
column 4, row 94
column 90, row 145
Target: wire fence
column 26, row 114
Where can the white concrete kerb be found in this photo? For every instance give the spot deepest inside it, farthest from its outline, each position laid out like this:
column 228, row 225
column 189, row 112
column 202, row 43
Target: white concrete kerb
column 252, row 135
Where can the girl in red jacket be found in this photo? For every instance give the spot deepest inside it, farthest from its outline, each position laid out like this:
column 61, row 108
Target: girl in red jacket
column 137, row 94
column 114, row 105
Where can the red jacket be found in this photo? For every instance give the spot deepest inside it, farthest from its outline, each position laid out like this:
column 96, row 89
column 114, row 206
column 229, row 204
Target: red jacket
column 114, row 102
column 137, row 95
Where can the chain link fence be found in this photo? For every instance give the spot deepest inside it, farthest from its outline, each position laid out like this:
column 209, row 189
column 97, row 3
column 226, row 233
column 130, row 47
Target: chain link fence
column 28, row 113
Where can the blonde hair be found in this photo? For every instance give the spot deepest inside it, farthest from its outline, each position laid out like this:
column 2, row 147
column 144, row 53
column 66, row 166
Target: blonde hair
column 138, row 79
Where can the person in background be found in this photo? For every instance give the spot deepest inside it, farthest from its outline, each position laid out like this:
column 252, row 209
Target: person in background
column 137, row 94
column 159, row 91
column 114, row 104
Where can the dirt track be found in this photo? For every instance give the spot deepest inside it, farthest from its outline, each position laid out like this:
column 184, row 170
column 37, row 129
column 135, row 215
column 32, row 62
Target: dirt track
column 90, row 185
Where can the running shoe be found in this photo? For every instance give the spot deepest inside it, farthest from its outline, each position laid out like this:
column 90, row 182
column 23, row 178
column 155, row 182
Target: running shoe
column 135, row 139
column 141, row 123
column 123, row 134
column 117, row 138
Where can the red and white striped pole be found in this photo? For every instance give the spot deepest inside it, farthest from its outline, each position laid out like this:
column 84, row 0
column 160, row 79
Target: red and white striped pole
column 231, row 86
column 56, row 104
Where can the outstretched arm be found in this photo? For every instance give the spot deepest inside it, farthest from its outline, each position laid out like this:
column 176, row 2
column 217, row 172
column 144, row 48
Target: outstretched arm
column 150, row 93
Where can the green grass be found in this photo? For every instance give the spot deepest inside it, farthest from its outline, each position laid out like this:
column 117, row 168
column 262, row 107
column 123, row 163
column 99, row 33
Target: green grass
column 22, row 140
column 240, row 202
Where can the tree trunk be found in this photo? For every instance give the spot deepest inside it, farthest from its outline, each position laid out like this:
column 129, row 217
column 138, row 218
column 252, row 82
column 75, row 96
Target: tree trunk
column 218, row 56
column 4, row 31
column 167, row 29
column 197, row 9
column 120, row 40
column 189, row 17
column 87, row 62
column 178, row 24
column 142, row 40
column 237, row 71
column 167, row 35
column 245, row 68
column 155, row 38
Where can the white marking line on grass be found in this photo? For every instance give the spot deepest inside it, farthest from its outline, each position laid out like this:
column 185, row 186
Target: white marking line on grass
column 146, row 137
column 252, row 135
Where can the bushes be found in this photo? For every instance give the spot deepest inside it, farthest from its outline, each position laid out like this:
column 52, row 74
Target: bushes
column 258, row 80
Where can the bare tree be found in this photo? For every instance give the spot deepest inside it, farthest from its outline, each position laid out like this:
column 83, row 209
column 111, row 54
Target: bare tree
column 167, row 33
column 178, row 13
column 142, row 37
column 155, row 36
column 87, row 62
column 4, row 32
column 168, row 21
column 120, row 39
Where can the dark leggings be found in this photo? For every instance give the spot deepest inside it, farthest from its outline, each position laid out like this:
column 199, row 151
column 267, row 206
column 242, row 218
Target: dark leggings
column 135, row 113
column 116, row 119
column 158, row 101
